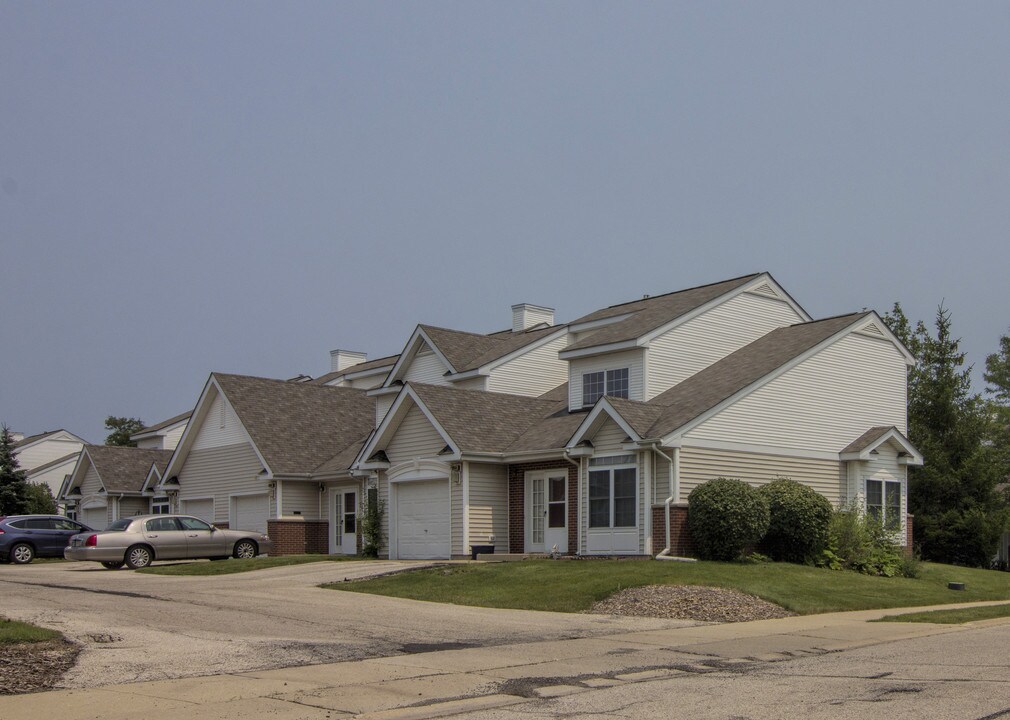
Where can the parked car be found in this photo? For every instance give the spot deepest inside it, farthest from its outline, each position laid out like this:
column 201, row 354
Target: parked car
column 26, row 537
column 138, row 541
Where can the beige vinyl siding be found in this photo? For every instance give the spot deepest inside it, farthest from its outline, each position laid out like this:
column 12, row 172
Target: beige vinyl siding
column 92, row 483
column 609, row 439
column 456, row 519
column 172, row 438
column 691, row 347
column 382, row 484
column 415, row 437
column 45, row 451
column 699, row 465
column 661, row 477
column 304, row 497
column 631, row 359
column 215, row 433
column 823, row 404
column 130, row 506
column 476, row 383
column 382, row 404
column 532, row 373
column 426, row 367
column 489, row 505
column 53, row 477
column 220, row 473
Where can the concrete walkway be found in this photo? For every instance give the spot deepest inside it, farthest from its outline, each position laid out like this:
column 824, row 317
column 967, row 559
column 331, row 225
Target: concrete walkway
column 474, row 680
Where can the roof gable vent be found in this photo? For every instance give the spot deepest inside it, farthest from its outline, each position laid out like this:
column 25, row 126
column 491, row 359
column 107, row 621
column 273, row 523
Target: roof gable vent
column 765, row 289
column 526, row 316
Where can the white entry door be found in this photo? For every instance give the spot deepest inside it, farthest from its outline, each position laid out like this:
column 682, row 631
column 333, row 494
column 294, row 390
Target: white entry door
column 345, row 514
column 547, row 500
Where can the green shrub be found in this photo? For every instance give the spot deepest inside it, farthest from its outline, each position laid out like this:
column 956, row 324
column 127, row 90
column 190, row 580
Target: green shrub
column 800, row 516
column 371, row 524
column 726, row 518
column 859, row 542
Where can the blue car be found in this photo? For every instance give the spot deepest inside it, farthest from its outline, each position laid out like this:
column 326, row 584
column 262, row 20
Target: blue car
column 25, row 537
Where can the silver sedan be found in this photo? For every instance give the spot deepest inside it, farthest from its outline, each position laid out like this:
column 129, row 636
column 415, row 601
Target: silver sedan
column 138, row 541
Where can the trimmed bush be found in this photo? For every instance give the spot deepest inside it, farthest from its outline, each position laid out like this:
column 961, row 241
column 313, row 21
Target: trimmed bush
column 726, row 517
column 800, row 517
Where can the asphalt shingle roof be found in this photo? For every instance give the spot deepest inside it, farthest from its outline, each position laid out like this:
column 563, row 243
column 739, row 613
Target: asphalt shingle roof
column 868, row 438
column 388, row 361
column 298, row 427
column 164, row 423
column 469, row 351
column 651, row 313
column 124, row 469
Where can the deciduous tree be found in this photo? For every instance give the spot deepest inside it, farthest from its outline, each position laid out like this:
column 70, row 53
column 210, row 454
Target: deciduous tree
column 122, row 428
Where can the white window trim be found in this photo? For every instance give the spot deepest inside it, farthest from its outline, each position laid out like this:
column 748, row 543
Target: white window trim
column 622, row 466
column 606, row 381
column 899, row 531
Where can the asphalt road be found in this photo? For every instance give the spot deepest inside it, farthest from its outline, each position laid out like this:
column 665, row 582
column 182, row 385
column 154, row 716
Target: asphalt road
column 137, row 627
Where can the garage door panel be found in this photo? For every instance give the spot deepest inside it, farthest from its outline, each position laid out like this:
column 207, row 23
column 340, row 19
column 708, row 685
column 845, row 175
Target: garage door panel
column 250, row 512
column 96, row 518
column 422, row 520
column 203, row 509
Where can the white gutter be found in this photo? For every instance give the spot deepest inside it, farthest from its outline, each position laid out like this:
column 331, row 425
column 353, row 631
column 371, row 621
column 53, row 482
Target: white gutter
column 674, row 497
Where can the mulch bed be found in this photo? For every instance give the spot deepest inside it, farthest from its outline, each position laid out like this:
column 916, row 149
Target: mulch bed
column 30, row 667
column 689, row 602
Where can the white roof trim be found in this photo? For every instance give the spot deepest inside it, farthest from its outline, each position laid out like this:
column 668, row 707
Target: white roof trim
column 151, row 473
column 602, row 406
column 878, row 321
column 599, row 349
column 379, row 438
column 761, row 382
column 893, row 436
column 83, row 460
column 144, row 434
column 58, row 435
column 410, row 351
column 197, row 420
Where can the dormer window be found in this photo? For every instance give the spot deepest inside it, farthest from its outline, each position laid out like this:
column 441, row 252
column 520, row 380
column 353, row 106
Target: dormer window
column 613, row 383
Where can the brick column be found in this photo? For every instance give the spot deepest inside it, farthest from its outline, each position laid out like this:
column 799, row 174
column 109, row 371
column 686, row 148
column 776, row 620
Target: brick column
column 517, row 503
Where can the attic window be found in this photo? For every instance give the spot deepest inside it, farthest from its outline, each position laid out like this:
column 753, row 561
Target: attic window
column 613, row 383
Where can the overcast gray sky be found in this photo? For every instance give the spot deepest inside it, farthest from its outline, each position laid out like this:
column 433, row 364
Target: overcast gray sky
column 242, row 187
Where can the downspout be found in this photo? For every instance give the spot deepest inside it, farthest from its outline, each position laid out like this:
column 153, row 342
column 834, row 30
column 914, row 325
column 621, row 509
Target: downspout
column 674, row 496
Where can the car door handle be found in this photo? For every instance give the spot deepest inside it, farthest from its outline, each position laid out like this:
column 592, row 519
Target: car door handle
column 152, row 536
column 193, row 535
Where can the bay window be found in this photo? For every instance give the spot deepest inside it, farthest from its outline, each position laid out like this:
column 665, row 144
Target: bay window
column 883, row 502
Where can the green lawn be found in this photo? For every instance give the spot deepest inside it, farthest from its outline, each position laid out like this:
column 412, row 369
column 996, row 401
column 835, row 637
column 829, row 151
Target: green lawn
column 573, row 586
column 13, row 631
column 952, row 617
column 232, row 565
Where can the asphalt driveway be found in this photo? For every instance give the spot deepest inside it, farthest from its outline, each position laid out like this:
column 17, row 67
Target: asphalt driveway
column 137, row 627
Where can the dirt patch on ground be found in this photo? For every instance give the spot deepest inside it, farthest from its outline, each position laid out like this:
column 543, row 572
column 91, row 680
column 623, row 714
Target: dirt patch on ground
column 689, row 602
column 30, row 667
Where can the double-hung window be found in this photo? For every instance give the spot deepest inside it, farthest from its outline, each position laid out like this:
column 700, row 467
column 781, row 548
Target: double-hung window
column 595, row 385
column 883, row 502
column 613, row 492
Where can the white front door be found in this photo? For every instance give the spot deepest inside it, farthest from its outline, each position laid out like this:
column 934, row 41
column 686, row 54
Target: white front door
column 345, row 515
column 547, row 518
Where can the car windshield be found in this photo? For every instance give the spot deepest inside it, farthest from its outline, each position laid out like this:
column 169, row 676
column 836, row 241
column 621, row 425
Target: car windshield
column 119, row 525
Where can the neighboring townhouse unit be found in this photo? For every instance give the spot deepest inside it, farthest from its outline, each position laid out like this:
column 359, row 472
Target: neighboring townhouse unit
column 113, row 482
column 584, row 437
column 275, row 456
column 48, row 457
column 164, row 435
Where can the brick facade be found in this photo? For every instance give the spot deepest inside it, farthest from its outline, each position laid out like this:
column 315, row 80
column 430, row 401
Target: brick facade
column 517, row 503
column 681, row 544
column 295, row 537
column 909, row 548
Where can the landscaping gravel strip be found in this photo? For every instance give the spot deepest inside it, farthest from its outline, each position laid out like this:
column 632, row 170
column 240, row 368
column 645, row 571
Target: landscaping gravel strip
column 30, row 667
column 689, row 602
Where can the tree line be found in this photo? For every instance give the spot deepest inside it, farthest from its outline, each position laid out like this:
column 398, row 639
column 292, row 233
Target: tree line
column 959, row 497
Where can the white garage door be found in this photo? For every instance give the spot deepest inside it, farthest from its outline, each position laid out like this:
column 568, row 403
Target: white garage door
column 96, row 518
column 250, row 512
column 203, row 509
column 422, row 520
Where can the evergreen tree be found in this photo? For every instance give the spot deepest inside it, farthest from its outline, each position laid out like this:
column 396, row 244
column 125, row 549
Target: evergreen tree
column 997, row 375
column 959, row 515
column 122, row 428
column 13, row 486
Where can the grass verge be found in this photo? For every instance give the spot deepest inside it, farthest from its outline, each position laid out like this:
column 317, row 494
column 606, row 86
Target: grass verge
column 955, row 616
column 573, row 586
column 232, row 565
column 14, row 631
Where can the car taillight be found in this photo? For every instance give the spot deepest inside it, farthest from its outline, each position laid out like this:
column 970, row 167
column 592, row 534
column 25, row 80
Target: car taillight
column 92, row 541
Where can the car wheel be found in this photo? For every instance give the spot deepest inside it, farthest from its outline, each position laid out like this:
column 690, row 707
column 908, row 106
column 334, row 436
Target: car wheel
column 138, row 556
column 22, row 553
column 112, row 564
column 246, row 549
